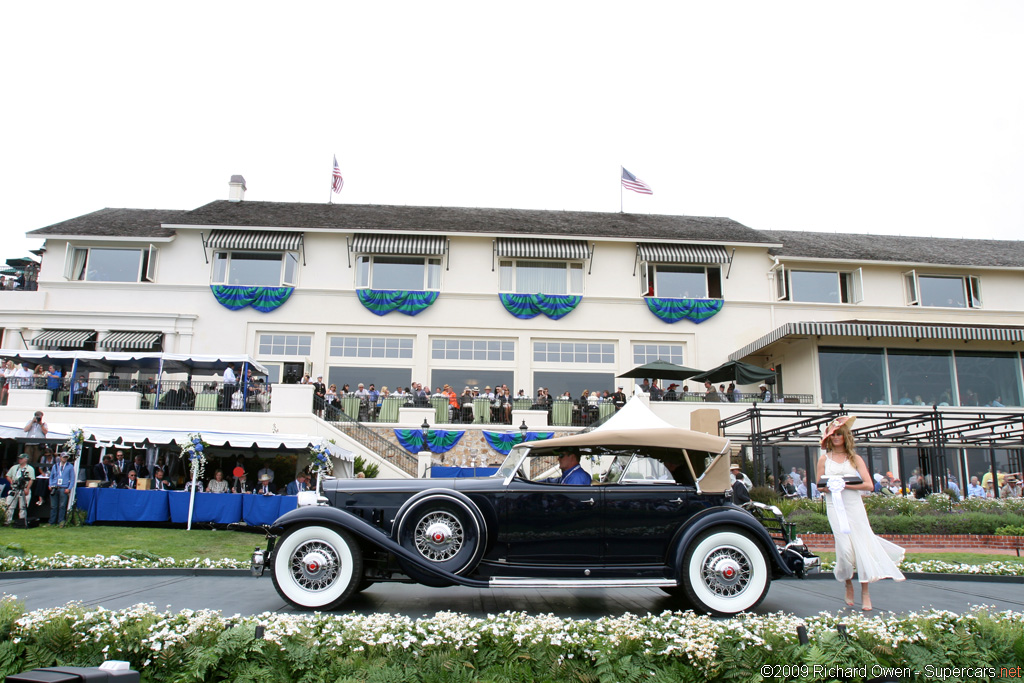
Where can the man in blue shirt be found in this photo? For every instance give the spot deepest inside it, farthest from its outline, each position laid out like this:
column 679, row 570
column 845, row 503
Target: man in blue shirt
column 62, row 478
column 572, row 473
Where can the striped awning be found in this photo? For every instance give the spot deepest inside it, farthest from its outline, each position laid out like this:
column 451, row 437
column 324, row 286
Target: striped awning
column 267, row 240
column 403, row 245
column 564, row 250
column 130, row 340
column 884, row 330
column 681, row 253
column 53, row 339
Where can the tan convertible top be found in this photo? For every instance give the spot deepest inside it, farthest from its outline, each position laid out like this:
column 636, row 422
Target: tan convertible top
column 715, row 477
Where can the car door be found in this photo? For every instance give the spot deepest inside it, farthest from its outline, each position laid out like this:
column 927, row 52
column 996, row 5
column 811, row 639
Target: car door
column 642, row 512
column 552, row 524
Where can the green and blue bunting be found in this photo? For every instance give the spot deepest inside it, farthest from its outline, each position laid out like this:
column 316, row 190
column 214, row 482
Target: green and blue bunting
column 674, row 310
column 263, row 299
column 503, row 442
column 436, row 440
column 383, row 301
column 526, row 306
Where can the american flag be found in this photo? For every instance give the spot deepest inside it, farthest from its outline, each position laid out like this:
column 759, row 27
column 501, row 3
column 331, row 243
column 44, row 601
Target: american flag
column 337, row 182
column 631, row 182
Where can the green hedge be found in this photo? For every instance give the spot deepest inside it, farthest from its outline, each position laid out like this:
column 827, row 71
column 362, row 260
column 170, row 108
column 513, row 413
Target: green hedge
column 206, row 647
column 922, row 522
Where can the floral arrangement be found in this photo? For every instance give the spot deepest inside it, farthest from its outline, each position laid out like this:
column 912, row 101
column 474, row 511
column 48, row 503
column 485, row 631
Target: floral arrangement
column 194, row 452
column 205, row 645
column 320, row 459
column 74, row 443
column 64, row 561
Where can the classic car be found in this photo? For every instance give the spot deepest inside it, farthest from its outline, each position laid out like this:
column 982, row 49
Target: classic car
column 658, row 513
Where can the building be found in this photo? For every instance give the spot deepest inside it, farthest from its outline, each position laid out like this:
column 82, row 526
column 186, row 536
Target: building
column 564, row 300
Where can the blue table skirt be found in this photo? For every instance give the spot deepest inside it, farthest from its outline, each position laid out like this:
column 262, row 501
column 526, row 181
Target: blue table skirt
column 450, row 472
column 125, row 505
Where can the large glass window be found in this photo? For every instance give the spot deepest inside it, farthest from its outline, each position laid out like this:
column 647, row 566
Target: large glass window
column 920, row 378
column 285, row 344
column 686, row 282
column 988, row 379
column 472, row 349
column 648, row 353
column 459, row 378
column 371, row 347
column 573, row 352
column 410, row 273
column 392, row 378
column 945, row 291
column 852, row 375
column 97, row 264
column 558, row 383
column 255, row 268
column 541, row 277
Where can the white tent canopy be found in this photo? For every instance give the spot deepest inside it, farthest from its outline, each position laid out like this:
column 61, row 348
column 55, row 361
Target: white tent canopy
column 14, row 431
column 154, row 361
column 636, row 414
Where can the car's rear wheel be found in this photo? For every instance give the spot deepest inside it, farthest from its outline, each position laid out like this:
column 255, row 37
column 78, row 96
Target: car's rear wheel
column 725, row 572
column 317, row 567
column 442, row 533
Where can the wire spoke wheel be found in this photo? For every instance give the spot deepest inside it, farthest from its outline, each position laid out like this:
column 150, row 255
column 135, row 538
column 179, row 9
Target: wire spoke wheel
column 315, row 565
column 725, row 571
column 439, row 536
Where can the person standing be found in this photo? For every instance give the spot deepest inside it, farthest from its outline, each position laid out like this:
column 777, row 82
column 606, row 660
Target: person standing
column 21, row 476
column 857, row 547
column 229, row 387
column 62, row 478
column 35, row 429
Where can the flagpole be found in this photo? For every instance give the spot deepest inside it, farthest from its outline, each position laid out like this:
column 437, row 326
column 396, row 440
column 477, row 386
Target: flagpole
column 330, row 193
column 620, row 188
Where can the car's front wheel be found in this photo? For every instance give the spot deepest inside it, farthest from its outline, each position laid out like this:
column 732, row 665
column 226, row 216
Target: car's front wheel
column 725, row 572
column 317, row 567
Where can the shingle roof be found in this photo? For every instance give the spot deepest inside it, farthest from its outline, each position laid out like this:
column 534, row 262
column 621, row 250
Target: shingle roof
column 934, row 250
column 441, row 219
column 142, row 223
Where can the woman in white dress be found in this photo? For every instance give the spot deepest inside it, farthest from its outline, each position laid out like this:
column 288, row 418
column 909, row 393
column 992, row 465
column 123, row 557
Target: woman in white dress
column 857, row 547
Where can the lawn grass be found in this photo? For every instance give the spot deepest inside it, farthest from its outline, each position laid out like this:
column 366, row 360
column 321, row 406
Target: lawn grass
column 180, row 544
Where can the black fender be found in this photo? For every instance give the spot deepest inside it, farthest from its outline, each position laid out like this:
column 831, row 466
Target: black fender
column 456, row 498
column 332, row 516
column 727, row 516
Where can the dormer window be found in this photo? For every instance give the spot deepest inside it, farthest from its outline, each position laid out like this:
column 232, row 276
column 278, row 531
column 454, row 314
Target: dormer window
column 398, row 262
column 255, row 259
column 680, row 271
column 540, row 266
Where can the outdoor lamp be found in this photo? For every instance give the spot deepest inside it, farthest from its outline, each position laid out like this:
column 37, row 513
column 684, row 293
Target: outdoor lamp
column 523, row 427
column 426, row 425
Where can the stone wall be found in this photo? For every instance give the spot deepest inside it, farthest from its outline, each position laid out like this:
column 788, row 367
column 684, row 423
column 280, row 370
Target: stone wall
column 472, row 450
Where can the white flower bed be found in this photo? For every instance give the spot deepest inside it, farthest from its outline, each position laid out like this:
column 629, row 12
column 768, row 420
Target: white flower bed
column 673, row 634
column 994, row 568
column 63, row 561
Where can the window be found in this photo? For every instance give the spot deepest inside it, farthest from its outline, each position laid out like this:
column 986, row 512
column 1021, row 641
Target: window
column 946, row 291
column 411, row 273
column 827, row 287
column 558, row 383
column 851, row 375
column 101, row 264
column 920, row 378
column 648, row 353
column 573, row 352
column 255, row 268
column 285, row 344
column 541, row 277
column 472, row 349
column 380, row 377
column 681, row 282
column 988, row 379
column 371, row 347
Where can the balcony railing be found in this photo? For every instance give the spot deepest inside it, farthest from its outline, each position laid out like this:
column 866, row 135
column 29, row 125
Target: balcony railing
column 170, row 395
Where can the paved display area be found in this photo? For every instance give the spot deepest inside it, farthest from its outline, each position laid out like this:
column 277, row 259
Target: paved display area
column 243, row 594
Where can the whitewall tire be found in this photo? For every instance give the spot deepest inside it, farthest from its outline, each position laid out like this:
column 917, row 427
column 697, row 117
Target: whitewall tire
column 317, row 567
column 725, row 572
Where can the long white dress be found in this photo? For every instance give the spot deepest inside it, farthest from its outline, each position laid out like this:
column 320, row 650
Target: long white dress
column 872, row 557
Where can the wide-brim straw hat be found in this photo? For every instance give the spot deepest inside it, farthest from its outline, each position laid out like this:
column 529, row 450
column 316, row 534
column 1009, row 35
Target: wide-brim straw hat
column 835, row 424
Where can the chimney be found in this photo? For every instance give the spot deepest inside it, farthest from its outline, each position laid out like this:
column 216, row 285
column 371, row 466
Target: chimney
column 236, row 189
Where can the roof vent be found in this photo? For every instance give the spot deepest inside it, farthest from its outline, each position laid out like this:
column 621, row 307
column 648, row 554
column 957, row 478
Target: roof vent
column 236, row 189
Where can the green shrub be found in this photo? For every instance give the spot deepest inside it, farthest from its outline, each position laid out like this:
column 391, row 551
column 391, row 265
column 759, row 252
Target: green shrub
column 133, row 554
column 922, row 522
column 370, row 470
column 12, row 550
column 1010, row 530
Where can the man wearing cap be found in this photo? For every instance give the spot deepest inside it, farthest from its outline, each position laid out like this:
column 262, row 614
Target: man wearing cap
column 741, row 484
column 20, row 496
column 619, row 399
column 319, row 395
column 62, row 478
column 572, row 473
column 35, row 429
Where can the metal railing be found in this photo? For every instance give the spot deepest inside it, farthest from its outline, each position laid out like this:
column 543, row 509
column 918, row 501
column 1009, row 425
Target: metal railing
column 387, row 450
column 718, row 397
column 202, row 395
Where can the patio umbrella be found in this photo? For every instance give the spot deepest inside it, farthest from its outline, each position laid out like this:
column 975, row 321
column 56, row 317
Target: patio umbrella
column 735, row 371
column 661, row 369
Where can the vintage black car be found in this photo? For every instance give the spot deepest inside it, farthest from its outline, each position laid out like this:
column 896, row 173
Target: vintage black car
column 658, row 513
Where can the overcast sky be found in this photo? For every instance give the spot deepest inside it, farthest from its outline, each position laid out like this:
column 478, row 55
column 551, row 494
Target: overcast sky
column 884, row 117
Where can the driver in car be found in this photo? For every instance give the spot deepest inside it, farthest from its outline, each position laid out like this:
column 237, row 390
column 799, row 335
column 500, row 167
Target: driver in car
column 572, row 473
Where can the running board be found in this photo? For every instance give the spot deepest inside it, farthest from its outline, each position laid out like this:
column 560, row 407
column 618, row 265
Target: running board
column 514, row 582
